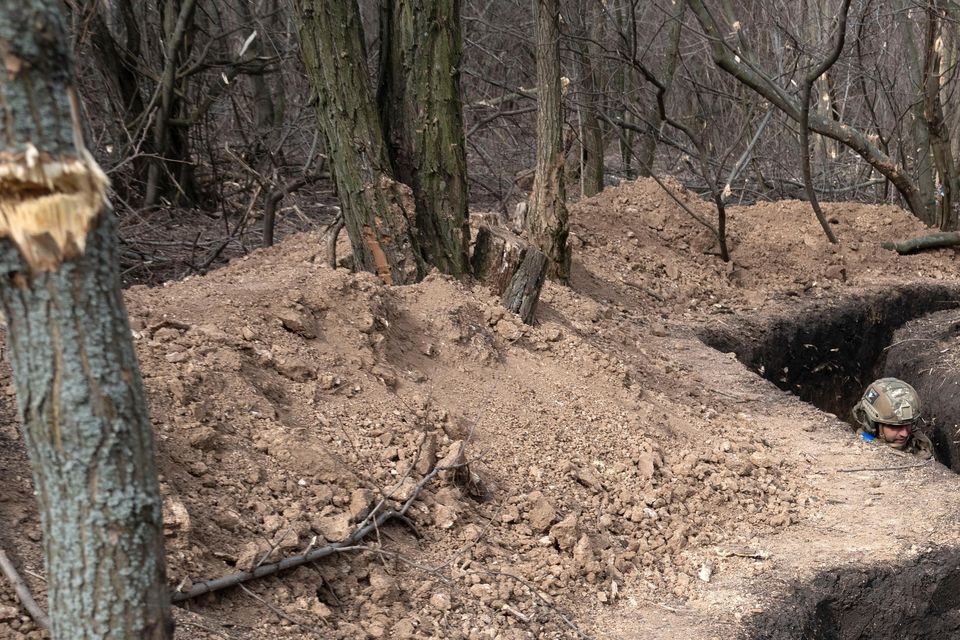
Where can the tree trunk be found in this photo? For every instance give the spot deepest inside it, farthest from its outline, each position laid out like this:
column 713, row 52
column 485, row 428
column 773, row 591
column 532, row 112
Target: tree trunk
column 923, row 166
column 589, row 103
column 949, row 188
column 422, row 115
column 118, row 67
column 172, row 172
column 650, row 112
column 379, row 212
column 512, row 269
column 264, row 113
column 808, row 83
column 78, row 386
column 547, row 216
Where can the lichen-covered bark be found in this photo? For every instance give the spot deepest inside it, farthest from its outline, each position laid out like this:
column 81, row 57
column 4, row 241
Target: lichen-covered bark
column 379, row 212
column 939, row 136
column 422, row 115
column 547, row 217
column 78, row 386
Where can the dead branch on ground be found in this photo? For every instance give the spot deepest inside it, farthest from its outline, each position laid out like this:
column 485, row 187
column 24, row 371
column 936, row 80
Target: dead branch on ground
column 922, row 243
column 23, row 591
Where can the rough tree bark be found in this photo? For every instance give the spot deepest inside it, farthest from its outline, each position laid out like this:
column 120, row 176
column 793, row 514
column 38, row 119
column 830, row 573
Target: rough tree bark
column 938, row 133
column 379, row 212
column 422, row 116
column 79, row 392
column 546, row 222
column 512, row 269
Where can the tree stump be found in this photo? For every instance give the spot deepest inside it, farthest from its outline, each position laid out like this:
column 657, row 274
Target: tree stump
column 513, row 269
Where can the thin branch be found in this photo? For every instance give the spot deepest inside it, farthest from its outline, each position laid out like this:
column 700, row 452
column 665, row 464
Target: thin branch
column 896, row 468
column 350, row 542
column 23, row 591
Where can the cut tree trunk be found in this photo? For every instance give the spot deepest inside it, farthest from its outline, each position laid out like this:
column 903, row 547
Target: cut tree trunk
column 378, row 211
column 79, row 392
column 513, row 269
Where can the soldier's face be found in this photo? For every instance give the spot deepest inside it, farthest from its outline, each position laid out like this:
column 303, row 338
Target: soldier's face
column 897, row 434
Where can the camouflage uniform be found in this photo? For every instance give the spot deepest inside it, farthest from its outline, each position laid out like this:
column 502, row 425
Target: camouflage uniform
column 896, row 403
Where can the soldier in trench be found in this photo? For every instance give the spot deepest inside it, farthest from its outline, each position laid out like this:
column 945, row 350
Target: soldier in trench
column 888, row 413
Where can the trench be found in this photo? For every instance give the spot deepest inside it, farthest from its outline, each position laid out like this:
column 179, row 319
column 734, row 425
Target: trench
column 826, row 353
column 916, row 600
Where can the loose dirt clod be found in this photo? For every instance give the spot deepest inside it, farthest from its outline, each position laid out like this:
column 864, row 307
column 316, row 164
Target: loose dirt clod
column 610, row 455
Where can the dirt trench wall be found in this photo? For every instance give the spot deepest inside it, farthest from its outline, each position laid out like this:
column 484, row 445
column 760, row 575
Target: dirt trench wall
column 916, row 600
column 830, row 350
column 926, row 353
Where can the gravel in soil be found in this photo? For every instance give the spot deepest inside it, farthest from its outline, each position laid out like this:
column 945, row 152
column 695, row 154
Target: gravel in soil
column 616, row 467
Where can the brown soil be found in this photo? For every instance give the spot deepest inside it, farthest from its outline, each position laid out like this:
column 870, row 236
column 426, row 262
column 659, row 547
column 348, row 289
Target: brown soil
column 625, row 480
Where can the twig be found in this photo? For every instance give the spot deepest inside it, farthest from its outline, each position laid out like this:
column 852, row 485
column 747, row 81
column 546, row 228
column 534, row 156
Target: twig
column 202, row 627
column 669, row 608
column 536, row 594
column 282, row 614
column 235, row 579
column 899, row 342
column 897, row 468
column 23, row 591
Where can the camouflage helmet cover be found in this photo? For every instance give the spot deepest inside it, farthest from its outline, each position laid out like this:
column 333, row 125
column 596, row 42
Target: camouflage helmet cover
column 890, row 401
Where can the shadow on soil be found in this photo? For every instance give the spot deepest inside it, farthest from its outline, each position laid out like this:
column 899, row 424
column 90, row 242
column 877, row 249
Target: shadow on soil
column 912, row 601
column 827, row 352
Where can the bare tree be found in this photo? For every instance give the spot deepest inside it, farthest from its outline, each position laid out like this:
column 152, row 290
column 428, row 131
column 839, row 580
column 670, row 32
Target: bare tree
column 546, row 221
column 379, row 212
column 79, row 391
column 815, row 74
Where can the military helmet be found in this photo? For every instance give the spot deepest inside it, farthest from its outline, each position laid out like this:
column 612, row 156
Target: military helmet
column 890, row 401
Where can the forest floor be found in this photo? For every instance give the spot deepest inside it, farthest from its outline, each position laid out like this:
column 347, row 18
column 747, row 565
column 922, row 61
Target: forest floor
column 624, row 479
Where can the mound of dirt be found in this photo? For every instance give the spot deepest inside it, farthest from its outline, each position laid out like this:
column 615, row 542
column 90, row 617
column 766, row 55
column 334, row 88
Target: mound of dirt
column 602, row 469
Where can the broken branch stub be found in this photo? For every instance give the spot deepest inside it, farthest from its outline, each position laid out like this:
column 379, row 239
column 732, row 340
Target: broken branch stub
column 513, row 269
column 47, row 204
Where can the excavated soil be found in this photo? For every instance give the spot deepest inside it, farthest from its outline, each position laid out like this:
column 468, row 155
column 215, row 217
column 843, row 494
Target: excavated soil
column 626, row 480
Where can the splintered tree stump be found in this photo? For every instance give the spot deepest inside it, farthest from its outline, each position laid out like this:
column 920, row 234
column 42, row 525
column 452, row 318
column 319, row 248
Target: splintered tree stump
column 513, row 269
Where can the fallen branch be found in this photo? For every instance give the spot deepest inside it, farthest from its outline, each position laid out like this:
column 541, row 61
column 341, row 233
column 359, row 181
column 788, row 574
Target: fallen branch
column 896, row 468
column 538, row 596
column 23, row 591
column 292, row 562
column 922, row 243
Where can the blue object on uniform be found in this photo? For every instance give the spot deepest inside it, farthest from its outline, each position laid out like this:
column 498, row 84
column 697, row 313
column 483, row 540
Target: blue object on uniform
column 868, row 437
